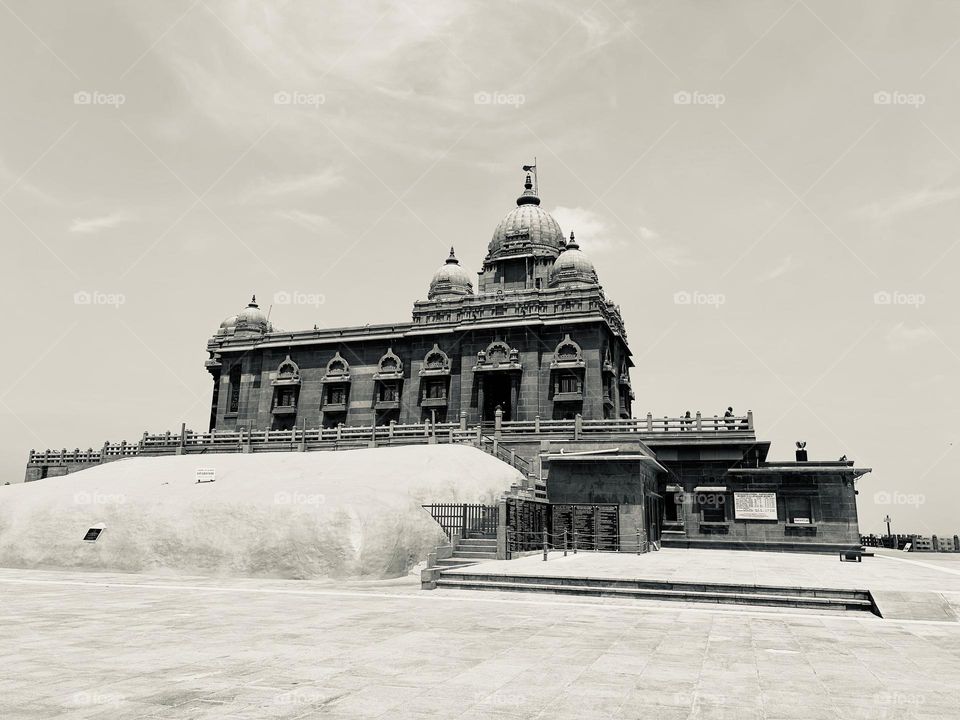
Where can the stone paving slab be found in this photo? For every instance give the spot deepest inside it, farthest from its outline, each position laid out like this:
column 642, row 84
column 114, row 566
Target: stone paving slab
column 76, row 645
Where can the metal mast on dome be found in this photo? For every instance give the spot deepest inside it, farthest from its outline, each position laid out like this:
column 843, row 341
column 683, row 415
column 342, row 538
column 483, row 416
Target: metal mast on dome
column 536, row 180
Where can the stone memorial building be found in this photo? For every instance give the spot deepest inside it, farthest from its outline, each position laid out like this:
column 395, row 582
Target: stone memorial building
column 535, row 335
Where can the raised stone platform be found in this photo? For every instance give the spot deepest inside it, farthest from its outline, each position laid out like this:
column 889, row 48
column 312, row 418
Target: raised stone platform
column 899, row 587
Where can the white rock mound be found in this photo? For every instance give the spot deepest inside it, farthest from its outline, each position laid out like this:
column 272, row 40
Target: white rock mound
column 348, row 514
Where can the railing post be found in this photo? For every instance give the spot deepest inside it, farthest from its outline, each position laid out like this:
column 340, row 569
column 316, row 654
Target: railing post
column 564, row 543
column 498, row 421
column 638, row 540
column 143, row 443
column 103, row 452
column 463, row 522
column 373, row 433
column 699, row 422
column 183, row 438
column 503, row 537
column 749, row 419
column 339, row 431
column 574, row 540
column 650, row 422
column 544, row 544
column 463, row 419
column 390, row 430
column 536, row 424
column 577, row 426
column 303, row 436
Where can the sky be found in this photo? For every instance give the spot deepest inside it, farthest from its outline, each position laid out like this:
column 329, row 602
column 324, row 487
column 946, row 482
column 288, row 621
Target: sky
column 770, row 191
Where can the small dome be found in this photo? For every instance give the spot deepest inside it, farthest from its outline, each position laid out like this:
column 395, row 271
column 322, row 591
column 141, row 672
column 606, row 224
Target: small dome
column 229, row 323
column 451, row 280
column 526, row 229
column 252, row 319
column 573, row 268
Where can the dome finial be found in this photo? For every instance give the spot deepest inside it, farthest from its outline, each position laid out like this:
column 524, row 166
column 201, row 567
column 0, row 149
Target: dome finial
column 452, row 260
column 572, row 242
column 529, row 196
column 253, row 301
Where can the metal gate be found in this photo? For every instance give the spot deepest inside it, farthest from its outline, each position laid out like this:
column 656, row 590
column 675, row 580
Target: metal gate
column 466, row 519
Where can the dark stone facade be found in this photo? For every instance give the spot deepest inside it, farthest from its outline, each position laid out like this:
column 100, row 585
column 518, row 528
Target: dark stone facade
column 540, row 339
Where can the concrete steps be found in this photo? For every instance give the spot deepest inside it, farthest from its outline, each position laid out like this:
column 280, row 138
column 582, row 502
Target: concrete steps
column 475, row 549
column 824, row 599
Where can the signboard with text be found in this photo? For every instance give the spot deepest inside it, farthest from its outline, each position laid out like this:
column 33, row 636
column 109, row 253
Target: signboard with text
column 206, row 475
column 755, row 506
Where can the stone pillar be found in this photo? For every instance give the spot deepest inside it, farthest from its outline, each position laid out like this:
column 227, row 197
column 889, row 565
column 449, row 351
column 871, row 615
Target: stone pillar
column 480, row 404
column 498, row 421
column 577, row 426
column 514, row 395
column 463, row 419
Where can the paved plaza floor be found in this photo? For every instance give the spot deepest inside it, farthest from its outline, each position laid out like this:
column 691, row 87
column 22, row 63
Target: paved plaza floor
column 92, row 645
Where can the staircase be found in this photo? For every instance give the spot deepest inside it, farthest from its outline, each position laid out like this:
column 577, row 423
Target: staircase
column 469, row 551
column 823, row 599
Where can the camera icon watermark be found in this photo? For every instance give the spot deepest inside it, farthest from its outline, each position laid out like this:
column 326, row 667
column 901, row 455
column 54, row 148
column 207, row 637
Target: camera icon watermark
column 298, row 498
column 898, row 498
column 296, row 97
column 96, row 498
column 94, row 698
column 514, row 100
column 895, row 97
column 95, row 97
column 695, row 97
column 695, row 297
column 95, row 297
column 896, row 297
column 899, row 698
column 295, row 297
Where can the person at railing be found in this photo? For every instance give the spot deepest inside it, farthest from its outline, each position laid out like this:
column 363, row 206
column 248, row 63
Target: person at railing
column 728, row 419
column 686, row 421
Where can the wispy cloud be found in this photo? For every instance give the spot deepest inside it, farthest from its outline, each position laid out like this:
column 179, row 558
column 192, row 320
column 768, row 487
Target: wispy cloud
column 592, row 231
column 668, row 251
column 310, row 221
column 298, row 185
column 597, row 236
column 903, row 337
column 907, row 203
column 781, row 268
column 90, row 226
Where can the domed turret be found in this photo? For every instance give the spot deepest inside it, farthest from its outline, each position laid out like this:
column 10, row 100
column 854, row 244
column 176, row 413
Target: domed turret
column 249, row 320
column 450, row 281
column 527, row 229
column 573, row 268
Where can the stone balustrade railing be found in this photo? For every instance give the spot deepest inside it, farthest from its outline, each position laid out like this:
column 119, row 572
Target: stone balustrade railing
column 343, row 436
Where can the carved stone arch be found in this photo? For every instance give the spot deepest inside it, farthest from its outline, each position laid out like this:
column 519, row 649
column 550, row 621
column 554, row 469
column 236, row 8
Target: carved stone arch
column 390, row 363
column 338, row 368
column 436, row 361
column 498, row 352
column 288, row 370
column 568, row 353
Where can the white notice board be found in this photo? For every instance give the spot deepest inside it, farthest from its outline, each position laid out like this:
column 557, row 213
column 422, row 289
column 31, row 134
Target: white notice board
column 755, row 506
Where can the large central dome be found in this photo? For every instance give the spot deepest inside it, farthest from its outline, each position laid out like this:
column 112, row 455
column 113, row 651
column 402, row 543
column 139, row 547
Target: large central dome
column 526, row 230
